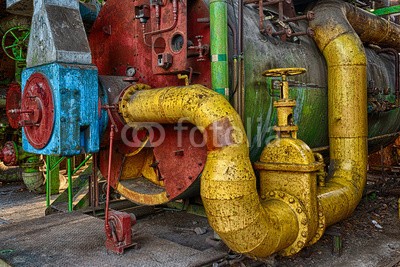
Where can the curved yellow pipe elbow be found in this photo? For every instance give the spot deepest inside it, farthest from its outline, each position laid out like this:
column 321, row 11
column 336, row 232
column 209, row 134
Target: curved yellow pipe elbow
column 228, row 183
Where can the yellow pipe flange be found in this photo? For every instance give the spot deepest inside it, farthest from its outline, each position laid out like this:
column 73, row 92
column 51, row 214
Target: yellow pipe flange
column 127, row 94
column 321, row 225
column 298, row 209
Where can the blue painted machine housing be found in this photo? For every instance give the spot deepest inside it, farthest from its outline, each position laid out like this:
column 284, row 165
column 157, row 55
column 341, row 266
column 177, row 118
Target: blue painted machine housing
column 76, row 102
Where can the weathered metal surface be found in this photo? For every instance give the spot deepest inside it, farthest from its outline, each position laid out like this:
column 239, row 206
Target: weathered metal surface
column 228, row 183
column 347, row 104
column 309, row 90
column 119, row 236
column 180, row 158
column 116, row 42
column 57, row 34
column 219, row 46
column 9, row 154
column 13, row 102
column 37, row 99
column 143, row 174
column 289, row 169
column 76, row 121
column 167, row 35
column 20, row 7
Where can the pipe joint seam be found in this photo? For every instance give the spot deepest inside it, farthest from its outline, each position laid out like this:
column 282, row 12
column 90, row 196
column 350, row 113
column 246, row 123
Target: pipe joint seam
column 303, row 222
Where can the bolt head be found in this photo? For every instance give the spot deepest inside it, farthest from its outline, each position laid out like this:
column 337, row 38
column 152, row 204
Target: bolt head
column 300, row 244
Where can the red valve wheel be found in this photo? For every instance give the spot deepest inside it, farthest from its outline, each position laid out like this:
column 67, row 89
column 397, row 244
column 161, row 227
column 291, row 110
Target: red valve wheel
column 37, row 111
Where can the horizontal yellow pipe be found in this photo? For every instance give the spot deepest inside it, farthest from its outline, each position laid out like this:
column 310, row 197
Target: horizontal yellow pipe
column 228, row 184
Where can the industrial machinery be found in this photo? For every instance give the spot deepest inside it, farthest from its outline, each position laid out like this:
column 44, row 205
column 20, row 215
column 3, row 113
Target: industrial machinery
column 14, row 41
column 177, row 96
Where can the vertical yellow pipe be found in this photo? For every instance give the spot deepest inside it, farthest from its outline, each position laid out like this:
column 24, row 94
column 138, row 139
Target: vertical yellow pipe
column 340, row 29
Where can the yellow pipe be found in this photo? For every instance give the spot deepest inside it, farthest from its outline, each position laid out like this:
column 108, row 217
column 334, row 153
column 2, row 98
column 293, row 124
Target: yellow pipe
column 228, row 186
column 340, row 29
column 246, row 223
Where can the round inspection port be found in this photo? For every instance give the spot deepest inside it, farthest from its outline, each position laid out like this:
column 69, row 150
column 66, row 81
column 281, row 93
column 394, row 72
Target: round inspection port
column 177, row 42
column 159, row 45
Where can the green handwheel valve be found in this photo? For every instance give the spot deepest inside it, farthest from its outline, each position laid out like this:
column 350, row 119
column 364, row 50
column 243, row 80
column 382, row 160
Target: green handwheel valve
column 15, row 42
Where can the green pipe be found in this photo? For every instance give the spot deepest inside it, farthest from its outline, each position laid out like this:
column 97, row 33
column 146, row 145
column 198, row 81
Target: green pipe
column 219, row 46
column 69, row 168
column 82, row 163
column 48, row 182
column 387, row 10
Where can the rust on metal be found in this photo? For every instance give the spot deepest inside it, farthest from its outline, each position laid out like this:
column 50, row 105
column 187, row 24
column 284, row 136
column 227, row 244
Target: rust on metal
column 8, row 154
column 13, row 104
column 129, row 37
column 219, row 134
column 181, row 158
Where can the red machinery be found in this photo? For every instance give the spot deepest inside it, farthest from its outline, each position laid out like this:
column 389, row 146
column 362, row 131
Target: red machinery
column 159, row 42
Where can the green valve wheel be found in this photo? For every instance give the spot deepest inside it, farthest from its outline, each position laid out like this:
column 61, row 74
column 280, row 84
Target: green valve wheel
column 15, row 42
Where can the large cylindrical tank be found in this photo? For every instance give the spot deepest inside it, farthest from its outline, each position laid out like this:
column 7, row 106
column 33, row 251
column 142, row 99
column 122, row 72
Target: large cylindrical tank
column 118, row 45
column 309, row 90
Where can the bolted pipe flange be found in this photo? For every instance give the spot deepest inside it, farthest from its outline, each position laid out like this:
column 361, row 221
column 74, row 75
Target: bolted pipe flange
column 298, row 209
column 126, row 95
column 321, row 225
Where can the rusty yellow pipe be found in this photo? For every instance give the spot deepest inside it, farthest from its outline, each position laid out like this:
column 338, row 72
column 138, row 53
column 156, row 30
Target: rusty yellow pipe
column 340, row 29
column 246, row 223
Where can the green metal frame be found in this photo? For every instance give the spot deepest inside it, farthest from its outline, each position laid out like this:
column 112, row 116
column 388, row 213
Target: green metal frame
column 70, row 173
column 387, row 10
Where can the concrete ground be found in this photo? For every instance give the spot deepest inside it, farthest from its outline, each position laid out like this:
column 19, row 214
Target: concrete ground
column 167, row 238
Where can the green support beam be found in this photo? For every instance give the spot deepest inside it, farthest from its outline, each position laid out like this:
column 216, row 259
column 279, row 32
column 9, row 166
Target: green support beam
column 387, row 10
column 52, row 171
column 54, row 166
